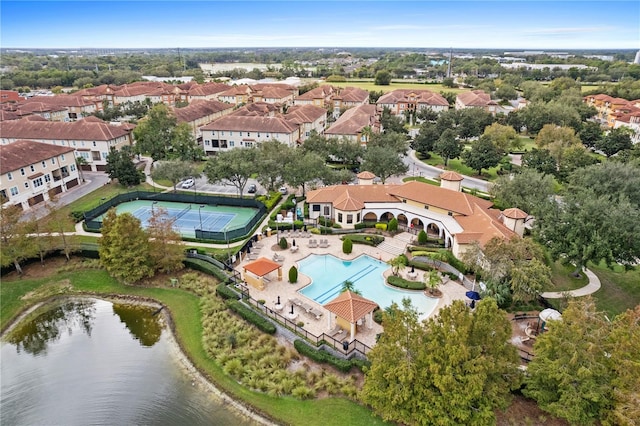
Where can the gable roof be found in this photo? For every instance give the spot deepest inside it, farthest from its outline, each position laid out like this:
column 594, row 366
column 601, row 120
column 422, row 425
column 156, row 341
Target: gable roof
column 81, row 130
column 475, row 98
column 482, row 225
column 244, row 123
column 305, row 113
column 21, row 153
column 353, row 120
column 350, row 306
column 421, row 97
column 199, row 109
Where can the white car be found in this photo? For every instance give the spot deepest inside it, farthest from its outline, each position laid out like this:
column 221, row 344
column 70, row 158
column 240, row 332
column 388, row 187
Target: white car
column 189, row 183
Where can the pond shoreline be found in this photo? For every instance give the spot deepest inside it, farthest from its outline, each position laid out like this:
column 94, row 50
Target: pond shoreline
column 177, row 350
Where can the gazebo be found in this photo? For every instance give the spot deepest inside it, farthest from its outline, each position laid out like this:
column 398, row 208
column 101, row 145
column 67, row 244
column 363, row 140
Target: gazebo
column 254, row 272
column 350, row 309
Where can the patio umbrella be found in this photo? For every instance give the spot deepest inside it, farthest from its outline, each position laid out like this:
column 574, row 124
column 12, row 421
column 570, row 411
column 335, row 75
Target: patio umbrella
column 548, row 314
column 473, row 295
column 293, row 243
column 248, row 249
column 413, row 269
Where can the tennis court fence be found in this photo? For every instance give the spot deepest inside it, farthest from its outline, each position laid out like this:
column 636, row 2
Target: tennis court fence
column 93, row 224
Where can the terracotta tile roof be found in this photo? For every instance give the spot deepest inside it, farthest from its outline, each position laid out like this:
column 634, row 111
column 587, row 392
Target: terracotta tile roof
column 8, row 115
column 319, row 92
column 451, row 176
column 305, row 113
column 515, row 213
column 354, row 95
column 446, row 199
column 62, row 100
column 251, row 124
column 257, row 109
column 426, row 97
column 365, row 175
column 350, row 306
column 207, row 89
column 199, row 109
column 38, row 107
column 262, row 266
column 362, row 193
column 81, row 130
column 482, row 225
column 272, row 92
column 21, row 153
column 475, row 98
column 347, row 203
column 353, row 120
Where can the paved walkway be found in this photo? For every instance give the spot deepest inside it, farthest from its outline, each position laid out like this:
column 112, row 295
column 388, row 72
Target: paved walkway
column 592, row 287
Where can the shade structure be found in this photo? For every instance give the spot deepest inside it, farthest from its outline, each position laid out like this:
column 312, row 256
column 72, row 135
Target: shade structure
column 473, row 295
column 550, row 314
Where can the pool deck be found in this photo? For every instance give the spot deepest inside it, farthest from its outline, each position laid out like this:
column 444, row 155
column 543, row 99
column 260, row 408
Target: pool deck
column 452, row 290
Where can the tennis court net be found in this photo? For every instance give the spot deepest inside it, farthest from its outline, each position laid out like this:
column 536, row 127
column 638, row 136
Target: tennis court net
column 183, row 212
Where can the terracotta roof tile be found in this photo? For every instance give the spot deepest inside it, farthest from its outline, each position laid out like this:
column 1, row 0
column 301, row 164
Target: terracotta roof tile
column 82, row 130
column 251, row 124
column 200, row 109
column 426, row 97
column 475, row 98
column 21, row 153
column 350, row 306
column 515, row 213
column 353, row 120
column 262, row 266
column 451, row 176
column 446, row 199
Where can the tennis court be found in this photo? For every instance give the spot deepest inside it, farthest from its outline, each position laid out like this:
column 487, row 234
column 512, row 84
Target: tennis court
column 188, row 217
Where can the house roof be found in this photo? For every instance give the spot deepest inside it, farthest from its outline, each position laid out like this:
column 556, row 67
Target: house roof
column 207, row 89
column 475, row 98
column 21, row 153
column 262, row 266
column 482, row 225
column 350, row 306
column 353, row 95
column 515, row 213
column 199, row 109
column 61, row 100
column 421, row 97
column 305, row 113
column 362, row 193
column 353, row 120
column 319, row 92
column 81, row 130
column 365, row 175
column 243, row 123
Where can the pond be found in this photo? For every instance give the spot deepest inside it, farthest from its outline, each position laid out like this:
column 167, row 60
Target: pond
column 88, row 361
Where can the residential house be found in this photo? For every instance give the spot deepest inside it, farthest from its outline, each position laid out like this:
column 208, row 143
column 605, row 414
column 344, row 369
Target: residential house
column 10, row 96
column 199, row 113
column 309, row 118
column 320, row 96
column 246, row 131
column 348, row 97
column 32, row 172
column 476, row 99
column 401, row 101
column 46, row 111
column 459, row 219
column 205, row 92
column 607, row 106
column 91, row 138
column 356, row 124
column 632, row 122
column 77, row 107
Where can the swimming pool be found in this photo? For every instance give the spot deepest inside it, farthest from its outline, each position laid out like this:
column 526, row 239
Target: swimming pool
column 328, row 273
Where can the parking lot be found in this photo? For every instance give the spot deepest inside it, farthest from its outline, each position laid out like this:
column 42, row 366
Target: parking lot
column 203, row 186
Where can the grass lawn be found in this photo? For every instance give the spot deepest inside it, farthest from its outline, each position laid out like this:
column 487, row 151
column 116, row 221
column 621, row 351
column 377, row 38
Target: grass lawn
column 562, row 279
column 458, row 166
column 185, row 311
column 421, row 179
column 396, row 84
column 620, row 290
column 527, row 143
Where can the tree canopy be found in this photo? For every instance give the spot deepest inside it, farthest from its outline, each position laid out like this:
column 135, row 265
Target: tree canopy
column 528, row 190
column 173, row 171
column 120, row 166
column 233, row 167
column 483, row 154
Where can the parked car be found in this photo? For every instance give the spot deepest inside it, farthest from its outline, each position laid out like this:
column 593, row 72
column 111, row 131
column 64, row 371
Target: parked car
column 252, row 189
column 283, row 190
column 189, row 183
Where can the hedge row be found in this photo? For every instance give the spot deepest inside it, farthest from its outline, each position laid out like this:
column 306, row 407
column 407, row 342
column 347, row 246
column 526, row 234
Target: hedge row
column 206, row 267
column 225, row 292
column 269, row 200
column 420, row 265
column 406, row 284
column 321, row 356
column 363, row 225
column 252, row 316
column 368, row 239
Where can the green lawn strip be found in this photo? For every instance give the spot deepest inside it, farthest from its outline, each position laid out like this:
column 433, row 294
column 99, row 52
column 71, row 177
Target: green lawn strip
column 619, row 290
column 422, row 179
column 527, row 143
column 458, row 166
column 562, row 278
column 186, row 315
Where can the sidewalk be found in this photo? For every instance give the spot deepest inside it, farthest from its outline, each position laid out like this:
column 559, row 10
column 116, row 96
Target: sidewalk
column 592, row 287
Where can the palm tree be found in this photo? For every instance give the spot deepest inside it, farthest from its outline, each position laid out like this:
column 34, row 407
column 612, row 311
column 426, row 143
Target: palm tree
column 398, row 263
column 81, row 161
column 350, row 286
column 432, row 281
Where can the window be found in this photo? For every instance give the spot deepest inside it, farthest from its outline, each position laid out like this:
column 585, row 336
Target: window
column 9, row 176
column 53, row 161
column 73, row 167
column 450, row 213
column 315, row 207
column 37, row 182
column 26, row 184
column 231, row 144
column 3, row 194
column 62, row 157
column 94, row 143
column 104, row 155
column 358, row 218
column 349, row 218
column 222, row 133
column 33, row 169
column 44, row 164
column 339, row 217
column 230, row 133
column 47, row 178
column 248, row 134
column 326, row 210
column 426, row 207
column 22, row 171
column 404, row 201
column 14, row 191
column 207, row 143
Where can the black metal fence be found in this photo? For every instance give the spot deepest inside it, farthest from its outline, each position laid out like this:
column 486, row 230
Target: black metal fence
column 91, row 222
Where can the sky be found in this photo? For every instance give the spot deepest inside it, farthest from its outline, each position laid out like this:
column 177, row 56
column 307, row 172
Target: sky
column 506, row 24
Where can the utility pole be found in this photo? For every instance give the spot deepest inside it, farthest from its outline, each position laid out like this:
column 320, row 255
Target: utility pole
column 449, row 64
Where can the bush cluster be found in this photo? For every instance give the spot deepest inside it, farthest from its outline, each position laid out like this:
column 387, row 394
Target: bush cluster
column 406, row 284
column 363, row 225
column 381, row 226
column 370, row 240
column 321, row 356
column 347, row 246
column 269, row 200
column 206, row 267
column 252, row 316
column 225, row 292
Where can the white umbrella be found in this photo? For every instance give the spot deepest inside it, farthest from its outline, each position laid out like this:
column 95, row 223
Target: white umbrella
column 550, row 314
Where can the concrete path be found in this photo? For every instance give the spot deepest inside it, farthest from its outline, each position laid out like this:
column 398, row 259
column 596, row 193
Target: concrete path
column 592, row 287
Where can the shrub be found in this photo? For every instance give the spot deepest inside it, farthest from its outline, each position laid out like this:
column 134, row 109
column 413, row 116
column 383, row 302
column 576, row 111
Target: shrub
column 252, row 316
column 314, row 231
column 402, row 283
column 347, row 246
column 368, row 239
column 322, row 356
column 363, row 225
column 420, row 265
column 393, row 225
column 206, row 267
column 377, row 316
column 226, row 293
column 283, row 243
column 77, row 215
column 381, row 226
column 293, row 275
column 422, row 237
column 325, row 222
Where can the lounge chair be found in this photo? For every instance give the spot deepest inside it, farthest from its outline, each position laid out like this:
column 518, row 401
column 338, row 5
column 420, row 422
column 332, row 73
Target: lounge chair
column 316, row 312
column 323, row 243
column 252, row 256
column 294, row 249
column 277, row 258
column 313, row 243
column 307, row 308
column 296, row 301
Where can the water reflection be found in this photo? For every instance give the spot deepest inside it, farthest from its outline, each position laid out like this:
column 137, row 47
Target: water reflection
column 141, row 322
column 35, row 336
column 76, row 364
